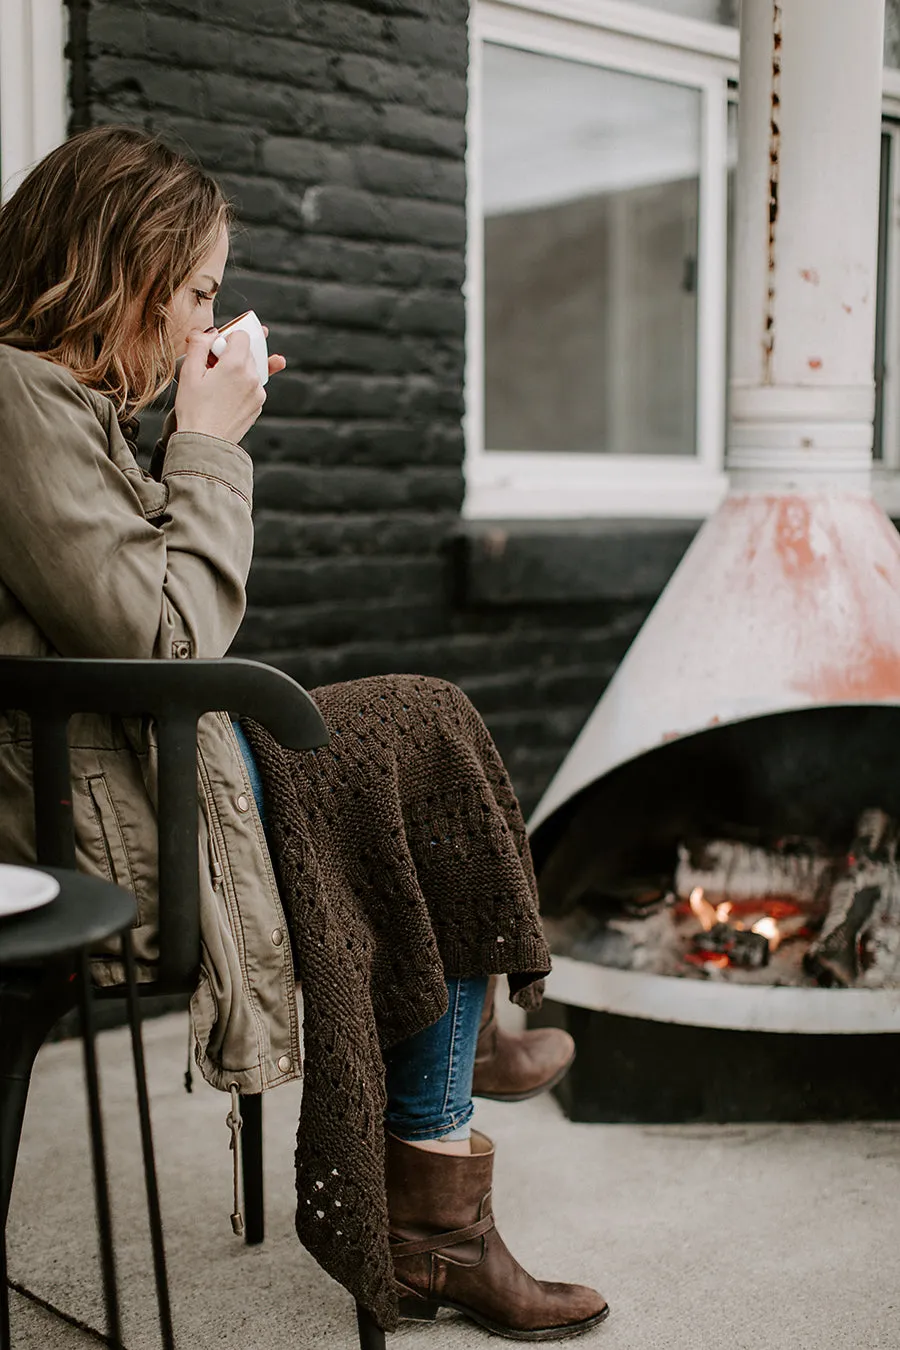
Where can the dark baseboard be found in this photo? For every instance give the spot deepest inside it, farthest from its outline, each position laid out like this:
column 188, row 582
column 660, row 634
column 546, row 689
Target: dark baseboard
column 638, row 1071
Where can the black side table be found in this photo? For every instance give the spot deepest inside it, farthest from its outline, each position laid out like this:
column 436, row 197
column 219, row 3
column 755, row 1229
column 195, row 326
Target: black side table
column 44, row 972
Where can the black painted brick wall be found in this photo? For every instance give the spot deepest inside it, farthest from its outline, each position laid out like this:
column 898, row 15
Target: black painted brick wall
column 338, row 130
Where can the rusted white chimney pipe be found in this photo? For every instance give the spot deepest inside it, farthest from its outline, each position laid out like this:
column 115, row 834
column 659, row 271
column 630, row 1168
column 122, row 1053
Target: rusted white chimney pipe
column 805, row 274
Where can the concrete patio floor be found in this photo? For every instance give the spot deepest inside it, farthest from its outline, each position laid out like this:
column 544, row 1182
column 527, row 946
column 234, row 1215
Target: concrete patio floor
column 782, row 1237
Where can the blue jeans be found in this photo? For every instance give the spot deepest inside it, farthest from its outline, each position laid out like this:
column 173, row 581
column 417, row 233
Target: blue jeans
column 428, row 1076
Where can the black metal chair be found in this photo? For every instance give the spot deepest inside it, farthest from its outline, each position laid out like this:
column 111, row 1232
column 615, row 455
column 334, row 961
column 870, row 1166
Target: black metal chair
column 175, row 694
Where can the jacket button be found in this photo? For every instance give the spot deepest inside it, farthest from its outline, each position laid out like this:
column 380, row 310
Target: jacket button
column 278, row 937
column 284, row 1063
column 243, row 803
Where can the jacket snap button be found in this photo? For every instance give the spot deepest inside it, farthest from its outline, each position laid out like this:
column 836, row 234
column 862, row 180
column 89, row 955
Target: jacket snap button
column 243, row 803
column 284, row 1063
column 278, row 937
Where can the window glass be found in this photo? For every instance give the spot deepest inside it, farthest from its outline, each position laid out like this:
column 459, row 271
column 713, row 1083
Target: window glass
column 892, row 34
column 727, row 12
column 590, row 191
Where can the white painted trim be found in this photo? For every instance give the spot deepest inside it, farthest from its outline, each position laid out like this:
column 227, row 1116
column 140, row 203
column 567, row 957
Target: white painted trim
column 891, row 404
column 512, row 485
column 33, row 85
column 473, row 287
column 712, row 261
column 641, row 21
column 590, row 44
column 716, row 1003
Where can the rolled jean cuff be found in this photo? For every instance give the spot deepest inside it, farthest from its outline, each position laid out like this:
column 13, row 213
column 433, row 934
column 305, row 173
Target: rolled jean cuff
column 458, row 1126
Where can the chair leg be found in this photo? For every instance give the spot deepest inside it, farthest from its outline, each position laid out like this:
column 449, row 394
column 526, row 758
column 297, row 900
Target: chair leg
column 163, row 1302
column 13, row 1096
column 371, row 1337
column 98, row 1155
column 30, row 1003
column 252, row 1168
column 5, row 1337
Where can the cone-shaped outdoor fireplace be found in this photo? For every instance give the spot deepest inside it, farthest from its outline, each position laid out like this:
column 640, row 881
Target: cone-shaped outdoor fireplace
column 736, row 792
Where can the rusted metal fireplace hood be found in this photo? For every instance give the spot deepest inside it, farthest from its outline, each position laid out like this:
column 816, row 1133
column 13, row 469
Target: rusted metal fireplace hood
column 782, row 602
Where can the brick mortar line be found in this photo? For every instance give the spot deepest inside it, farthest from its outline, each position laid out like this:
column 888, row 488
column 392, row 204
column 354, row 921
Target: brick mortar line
column 134, row 57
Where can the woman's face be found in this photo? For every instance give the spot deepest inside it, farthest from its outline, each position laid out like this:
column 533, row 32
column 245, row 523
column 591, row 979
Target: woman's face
column 191, row 307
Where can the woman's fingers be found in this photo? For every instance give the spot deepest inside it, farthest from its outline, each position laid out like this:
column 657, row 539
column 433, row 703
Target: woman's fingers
column 276, row 363
column 199, row 346
column 237, row 348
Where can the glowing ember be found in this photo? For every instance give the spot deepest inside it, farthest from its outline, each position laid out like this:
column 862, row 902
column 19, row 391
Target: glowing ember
column 705, row 912
column 718, row 960
column 769, row 929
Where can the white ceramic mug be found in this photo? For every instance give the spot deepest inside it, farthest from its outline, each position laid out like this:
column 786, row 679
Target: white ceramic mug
column 246, row 323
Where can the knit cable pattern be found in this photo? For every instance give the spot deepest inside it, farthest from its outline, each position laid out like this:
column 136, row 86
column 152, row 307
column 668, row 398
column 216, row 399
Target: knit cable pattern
column 401, row 855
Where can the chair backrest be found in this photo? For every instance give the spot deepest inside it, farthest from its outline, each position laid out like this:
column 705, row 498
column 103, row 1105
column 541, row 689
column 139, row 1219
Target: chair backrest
column 175, row 694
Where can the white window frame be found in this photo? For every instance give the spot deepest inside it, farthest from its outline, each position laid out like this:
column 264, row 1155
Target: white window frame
column 33, row 85
column 886, row 472
column 640, row 40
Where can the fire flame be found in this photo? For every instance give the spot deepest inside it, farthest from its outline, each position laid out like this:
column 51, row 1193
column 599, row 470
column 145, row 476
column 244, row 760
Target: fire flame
column 705, row 912
column 708, row 915
column 769, row 929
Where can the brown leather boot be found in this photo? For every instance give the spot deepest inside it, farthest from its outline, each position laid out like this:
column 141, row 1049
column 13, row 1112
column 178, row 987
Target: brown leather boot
column 512, row 1068
column 448, row 1254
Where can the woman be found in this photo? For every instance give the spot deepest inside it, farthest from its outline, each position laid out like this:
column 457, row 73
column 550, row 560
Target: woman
column 400, row 851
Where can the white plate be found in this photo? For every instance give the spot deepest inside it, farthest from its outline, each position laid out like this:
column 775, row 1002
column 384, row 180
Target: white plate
column 24, row 888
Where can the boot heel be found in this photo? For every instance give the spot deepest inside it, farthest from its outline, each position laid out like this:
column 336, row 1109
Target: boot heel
column 418, row 1309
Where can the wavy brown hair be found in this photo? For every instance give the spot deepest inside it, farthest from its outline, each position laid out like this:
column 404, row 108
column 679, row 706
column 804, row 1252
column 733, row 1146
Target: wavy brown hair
column 93, row 246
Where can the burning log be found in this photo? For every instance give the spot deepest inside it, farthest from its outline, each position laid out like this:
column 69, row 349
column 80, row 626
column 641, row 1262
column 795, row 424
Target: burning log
column 729, row 870
column 742, row 946
column 748, row 948
column 836, row 956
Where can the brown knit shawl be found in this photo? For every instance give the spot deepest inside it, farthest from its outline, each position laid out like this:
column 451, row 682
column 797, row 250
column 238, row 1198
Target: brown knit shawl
column 402, row 856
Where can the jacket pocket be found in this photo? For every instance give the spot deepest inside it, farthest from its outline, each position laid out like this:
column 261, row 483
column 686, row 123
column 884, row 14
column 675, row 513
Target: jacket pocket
column 111, row 837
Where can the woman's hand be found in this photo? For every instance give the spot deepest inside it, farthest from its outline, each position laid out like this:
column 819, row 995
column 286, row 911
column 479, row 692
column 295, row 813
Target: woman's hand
column 224, row 399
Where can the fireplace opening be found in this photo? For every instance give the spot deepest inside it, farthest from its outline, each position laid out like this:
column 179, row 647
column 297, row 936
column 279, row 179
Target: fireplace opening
column 781, row 911
column 732, row 884
column 798, row 783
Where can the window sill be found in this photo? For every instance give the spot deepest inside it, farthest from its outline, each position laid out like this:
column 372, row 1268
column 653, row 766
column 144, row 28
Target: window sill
column 519, row 486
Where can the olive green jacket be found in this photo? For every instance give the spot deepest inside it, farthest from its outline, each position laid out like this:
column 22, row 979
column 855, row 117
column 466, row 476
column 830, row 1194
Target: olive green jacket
column 98, row 559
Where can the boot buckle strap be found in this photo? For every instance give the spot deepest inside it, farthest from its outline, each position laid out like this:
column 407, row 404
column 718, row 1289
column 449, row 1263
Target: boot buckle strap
column 440, row 1240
